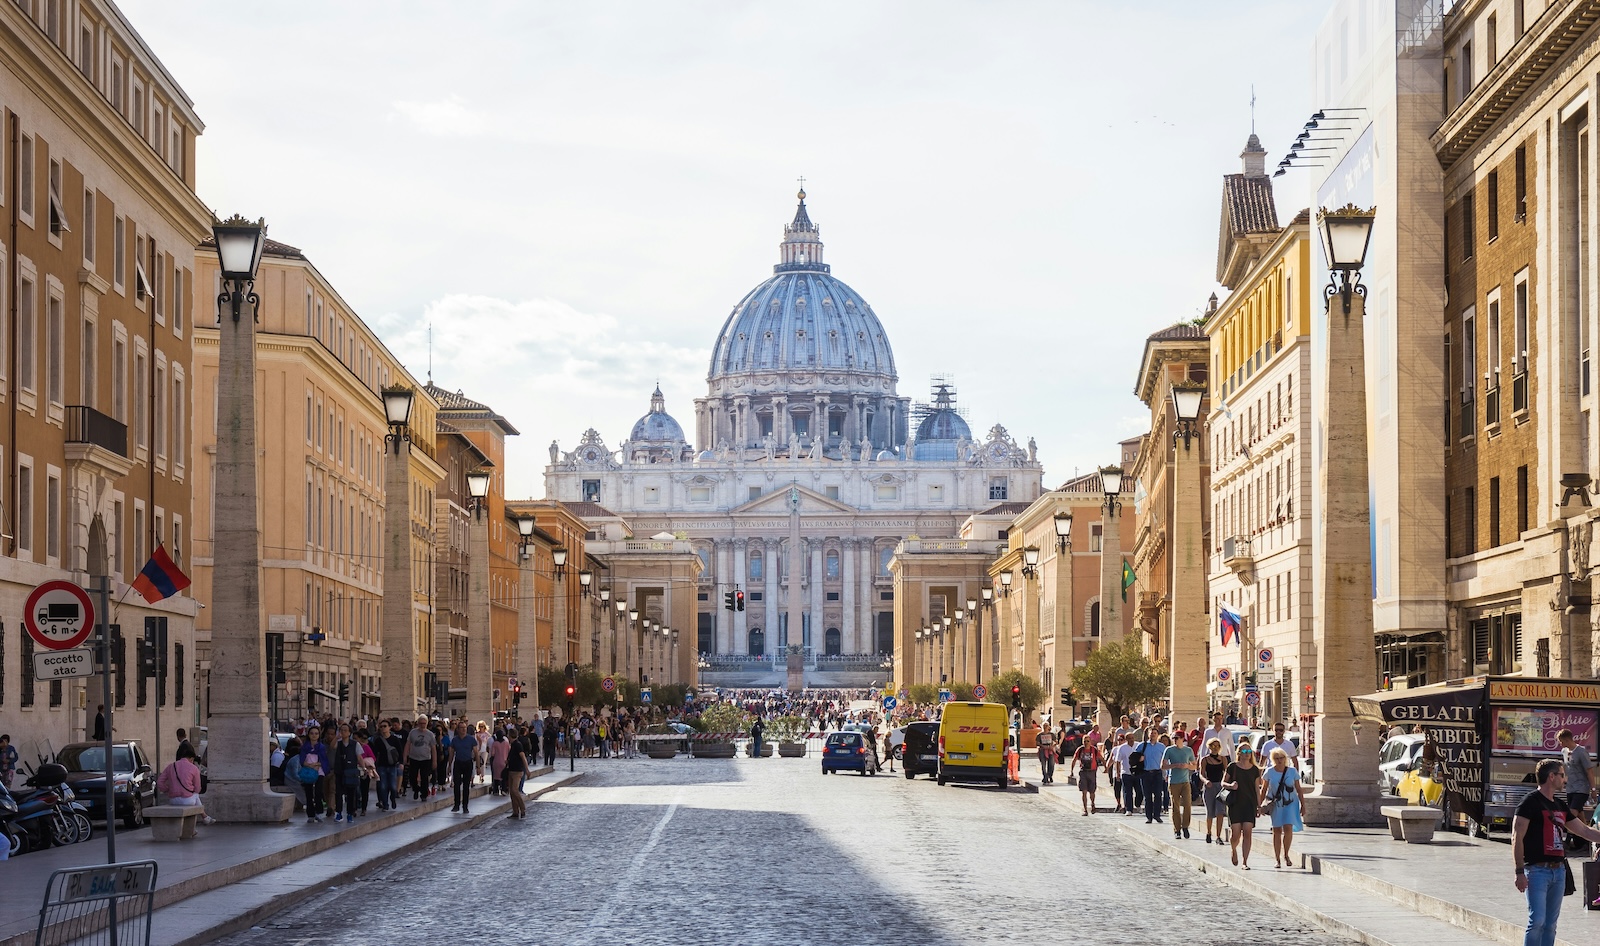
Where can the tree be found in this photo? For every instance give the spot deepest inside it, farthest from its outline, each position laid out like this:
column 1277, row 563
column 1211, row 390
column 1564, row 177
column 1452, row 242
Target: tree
column 1032, row 693
column 1121, row 676
column 961, row 691
column 923, row 693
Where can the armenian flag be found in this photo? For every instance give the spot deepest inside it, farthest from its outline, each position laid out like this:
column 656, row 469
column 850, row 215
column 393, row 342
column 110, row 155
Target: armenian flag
column 160, row 577
column 1228, row 622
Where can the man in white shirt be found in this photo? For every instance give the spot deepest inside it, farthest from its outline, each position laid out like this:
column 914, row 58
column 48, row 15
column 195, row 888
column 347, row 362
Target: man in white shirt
column 1219, row 732
column 1125, row 781
column 1280, row 741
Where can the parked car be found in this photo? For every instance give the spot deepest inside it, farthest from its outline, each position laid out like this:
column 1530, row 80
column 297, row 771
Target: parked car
column 921, row 749
column 1074, row 737
column 1397, row 756
column 133, row 777
column 848, row 750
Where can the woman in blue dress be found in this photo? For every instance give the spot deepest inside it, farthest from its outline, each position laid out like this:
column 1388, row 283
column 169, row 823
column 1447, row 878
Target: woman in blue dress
column 1282, row 793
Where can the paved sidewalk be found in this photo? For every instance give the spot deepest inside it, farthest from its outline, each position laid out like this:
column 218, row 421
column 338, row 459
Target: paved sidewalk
column 237, row 861
column 1359, row 881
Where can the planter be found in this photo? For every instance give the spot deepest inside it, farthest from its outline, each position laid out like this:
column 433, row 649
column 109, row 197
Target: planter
column 1030, row 738
column 660, row 750
column 712, row 750
column 791, row 750
column 766, row 749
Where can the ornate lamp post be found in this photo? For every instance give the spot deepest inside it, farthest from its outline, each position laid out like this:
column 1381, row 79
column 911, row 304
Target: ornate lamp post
column 1341, row 594
column 399, row 685
column 1110, row 556
column 1065, row 607
column 527, row 620
column 988, row 605
column 1188, row 629
column 238, row 788
column 480, row 648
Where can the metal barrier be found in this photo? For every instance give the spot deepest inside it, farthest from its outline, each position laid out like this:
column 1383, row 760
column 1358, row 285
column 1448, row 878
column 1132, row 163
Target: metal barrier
column 88, row 906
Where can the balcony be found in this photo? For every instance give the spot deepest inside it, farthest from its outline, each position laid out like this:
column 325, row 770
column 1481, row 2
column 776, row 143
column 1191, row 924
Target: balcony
column 1236, row 554
column 97, row 441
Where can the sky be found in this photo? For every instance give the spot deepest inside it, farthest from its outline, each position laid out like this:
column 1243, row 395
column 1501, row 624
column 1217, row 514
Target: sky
column 575, row 195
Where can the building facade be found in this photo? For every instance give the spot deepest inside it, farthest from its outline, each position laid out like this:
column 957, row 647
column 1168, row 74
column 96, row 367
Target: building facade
column 807, row 470
column 96, row 370
column 320, row 372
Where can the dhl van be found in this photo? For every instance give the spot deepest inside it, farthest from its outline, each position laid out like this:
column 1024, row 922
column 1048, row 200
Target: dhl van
column 972, row 743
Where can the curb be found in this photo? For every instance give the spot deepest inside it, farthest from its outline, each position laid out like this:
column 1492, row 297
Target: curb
column 284, row 901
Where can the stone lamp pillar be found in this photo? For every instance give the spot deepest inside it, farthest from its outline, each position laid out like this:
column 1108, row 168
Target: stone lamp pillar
column 1188, row 627
column 240, row 730
column 399, row 685
column 480, row 645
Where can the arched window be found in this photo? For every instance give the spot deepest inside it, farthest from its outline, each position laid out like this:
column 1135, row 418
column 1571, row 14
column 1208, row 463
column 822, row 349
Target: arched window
column 831, row 645
column 1094, row 619
column 833, row 564
column 758, row 642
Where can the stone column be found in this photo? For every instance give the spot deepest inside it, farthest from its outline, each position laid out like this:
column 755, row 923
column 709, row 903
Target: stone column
column 774, row 569
column 780, row 419
column 238, row 790
column 741, row 577
column 741, row 423
column 480, row 653
column 1065, row 628
column 1341, row 588
column 851, row 634
column 527, row 631
column 560, row 652
column 722, row 583
column 1032, row 590
column 399, row 685
column 1188, row 626
column 815, row 595
column 869, row 588
column 1111, row 576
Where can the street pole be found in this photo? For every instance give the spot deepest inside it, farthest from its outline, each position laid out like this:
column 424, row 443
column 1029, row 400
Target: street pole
column 102, row 586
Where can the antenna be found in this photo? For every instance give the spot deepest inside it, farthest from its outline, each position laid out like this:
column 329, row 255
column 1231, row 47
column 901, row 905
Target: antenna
column 430, row 352
column 1252, row 108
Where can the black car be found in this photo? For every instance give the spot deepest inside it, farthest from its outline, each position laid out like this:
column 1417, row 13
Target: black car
column 135, row 780
column 1076, row 728
column 921, row 755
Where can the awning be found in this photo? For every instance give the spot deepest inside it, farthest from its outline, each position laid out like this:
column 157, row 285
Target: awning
column 324, row 693
column 1440, row 704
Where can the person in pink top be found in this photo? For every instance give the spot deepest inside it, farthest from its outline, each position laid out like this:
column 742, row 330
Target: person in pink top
column 499, row 749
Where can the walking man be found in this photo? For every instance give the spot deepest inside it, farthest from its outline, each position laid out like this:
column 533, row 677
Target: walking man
column 464, row 754
column 422, row 751
column 1178, row 761
column 1539, row 850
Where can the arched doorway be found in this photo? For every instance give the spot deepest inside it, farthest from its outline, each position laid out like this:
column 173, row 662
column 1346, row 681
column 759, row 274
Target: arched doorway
column 830, row 644
column 758, row 642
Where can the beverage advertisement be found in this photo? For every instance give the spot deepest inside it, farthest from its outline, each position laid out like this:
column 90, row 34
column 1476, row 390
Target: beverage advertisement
column 1532, row 729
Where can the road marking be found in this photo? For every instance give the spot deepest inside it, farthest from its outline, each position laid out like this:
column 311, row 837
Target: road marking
column 623, row 887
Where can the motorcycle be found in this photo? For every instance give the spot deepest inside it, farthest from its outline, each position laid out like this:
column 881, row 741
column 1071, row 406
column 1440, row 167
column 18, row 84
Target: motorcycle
column 15, row 839
column 47, row 813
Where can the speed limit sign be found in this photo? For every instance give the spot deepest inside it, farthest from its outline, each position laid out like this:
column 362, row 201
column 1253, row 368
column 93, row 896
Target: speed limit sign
column 58, row 615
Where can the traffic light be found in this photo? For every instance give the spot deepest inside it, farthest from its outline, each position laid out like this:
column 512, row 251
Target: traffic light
column 738, row 601
column 1016, row 696
column 572, row 694
column 727, row 601
column 1066, row 697
column 344, row 692
column 516, row 695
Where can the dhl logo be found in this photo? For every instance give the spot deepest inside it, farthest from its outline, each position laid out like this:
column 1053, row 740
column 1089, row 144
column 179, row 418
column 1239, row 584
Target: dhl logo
column 982, row 729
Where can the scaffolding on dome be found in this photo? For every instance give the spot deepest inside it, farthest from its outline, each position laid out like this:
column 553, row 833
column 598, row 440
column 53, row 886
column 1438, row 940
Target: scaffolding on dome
column 944, row 398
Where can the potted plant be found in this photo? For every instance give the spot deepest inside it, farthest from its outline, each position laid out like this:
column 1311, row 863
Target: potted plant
column 726, row 722
column 790, row 734
column 655, row 744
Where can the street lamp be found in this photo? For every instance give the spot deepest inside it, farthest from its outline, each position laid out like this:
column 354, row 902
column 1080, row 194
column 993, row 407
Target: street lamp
column 585, row 577
column 1186, row 399
column 480, row 646
column 397, row 411
column 1346, row 233
column 478, row 489
column 605, row 596
column 558, row 555
column 1111, row 486
column 525, row 526
column 1063, row 523
column 527, row 624
column 1005, row 584
column 1030, row 562
column 239, row 246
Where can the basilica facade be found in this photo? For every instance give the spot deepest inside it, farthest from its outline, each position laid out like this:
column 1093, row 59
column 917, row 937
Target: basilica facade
column 807, row 469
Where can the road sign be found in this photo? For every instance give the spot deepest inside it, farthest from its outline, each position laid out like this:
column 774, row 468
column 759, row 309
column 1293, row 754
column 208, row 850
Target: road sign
column 1252, row 697
column 890, row 702
column 944, row 696
column 608, row 684
column 61, row 664
column 979, row 692
column 644, row 695
column 902, row 693
column 1265, row 656
column 1224, row 674
column 58, row 615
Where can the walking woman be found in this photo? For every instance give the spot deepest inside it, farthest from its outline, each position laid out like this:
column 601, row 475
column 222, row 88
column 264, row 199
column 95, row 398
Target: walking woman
column 1282, row 792
column 483, row 738
column 1086, row 762
column 1243, row 782
column 1213, row 768
column 516, row 768
column 499, row 752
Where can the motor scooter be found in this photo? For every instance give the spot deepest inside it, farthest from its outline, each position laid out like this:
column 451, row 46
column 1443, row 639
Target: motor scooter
column 15, row 839
column 45, row 811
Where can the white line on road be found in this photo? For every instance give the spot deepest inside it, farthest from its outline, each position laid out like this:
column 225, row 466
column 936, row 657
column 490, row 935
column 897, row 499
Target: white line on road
column 624, row 886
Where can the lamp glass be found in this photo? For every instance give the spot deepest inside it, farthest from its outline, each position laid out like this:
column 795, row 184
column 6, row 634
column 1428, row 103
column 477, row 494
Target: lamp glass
column 239, row 245
column 559, row 555
column 1063, row 521
column 1345, row 236
column 525, row 526
column 478, row 484
column 1186, row 401
column 961, row 615
column 972, row 605
column 1005, row 579
column 1111, row 481
column 397, row 405
column 665, row 632
column 585, row 577
column 605, row 595
column 621, row 605
column 633, row 614
column 1030, row 556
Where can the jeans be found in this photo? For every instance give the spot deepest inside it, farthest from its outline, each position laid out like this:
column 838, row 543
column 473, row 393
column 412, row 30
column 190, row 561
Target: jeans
column 1152, row 794
column 1546, row 883
column 463, row 784
column 420, row 771
column 1130, row 792
column 1182, row 805
column 1047, row 765
column 388, row 785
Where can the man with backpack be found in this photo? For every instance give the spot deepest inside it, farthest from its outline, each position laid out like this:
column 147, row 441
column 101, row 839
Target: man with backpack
column 1123, row 761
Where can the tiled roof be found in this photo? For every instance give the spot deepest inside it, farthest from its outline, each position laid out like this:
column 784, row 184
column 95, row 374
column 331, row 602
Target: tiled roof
column 1177, row 330
column 591, row 511
column 1248, row 203
column 270, row 248
column 466, row 408
column 1005, row 509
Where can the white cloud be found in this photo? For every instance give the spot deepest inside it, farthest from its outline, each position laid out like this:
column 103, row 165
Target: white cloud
column 449, row 117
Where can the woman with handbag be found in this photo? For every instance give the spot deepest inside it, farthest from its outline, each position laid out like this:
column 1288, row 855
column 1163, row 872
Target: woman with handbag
column 1243, row 782
column 1213, row 768
column 1283, row 790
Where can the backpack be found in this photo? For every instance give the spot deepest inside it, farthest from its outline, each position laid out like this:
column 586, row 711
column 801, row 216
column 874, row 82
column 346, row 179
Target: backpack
column 1136, row 760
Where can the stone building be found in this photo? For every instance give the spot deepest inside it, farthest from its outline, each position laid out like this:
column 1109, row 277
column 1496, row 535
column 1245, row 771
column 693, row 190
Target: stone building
column 96, row 323
column 807, row 469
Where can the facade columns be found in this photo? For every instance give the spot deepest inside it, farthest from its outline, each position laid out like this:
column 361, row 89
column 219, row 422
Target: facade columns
column 722, row 582
column 774, row 569
column 850, row 635
column 741, row 423
column 868, row 580
column 780, row 419
column 814, row 639
column 741, row 574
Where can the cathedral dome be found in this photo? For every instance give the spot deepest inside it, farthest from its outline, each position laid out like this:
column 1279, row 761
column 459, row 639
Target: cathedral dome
column 803, row 320
column 657, row 426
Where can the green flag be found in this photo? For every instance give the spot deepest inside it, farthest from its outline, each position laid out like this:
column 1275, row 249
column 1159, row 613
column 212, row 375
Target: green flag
column 1127, row 579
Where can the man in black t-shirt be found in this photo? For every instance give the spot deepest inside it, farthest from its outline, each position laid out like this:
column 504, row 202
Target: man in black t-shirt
column 1539, row 849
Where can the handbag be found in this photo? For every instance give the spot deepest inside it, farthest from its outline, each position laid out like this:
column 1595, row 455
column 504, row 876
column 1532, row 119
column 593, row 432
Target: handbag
column 1271, row 803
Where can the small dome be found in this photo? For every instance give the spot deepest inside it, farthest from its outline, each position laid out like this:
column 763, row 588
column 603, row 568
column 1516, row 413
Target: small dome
column 888, row 455
column 657, row 426
column 943, row 424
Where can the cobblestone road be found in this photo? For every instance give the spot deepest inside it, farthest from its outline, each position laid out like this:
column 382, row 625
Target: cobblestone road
column 693, row 851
